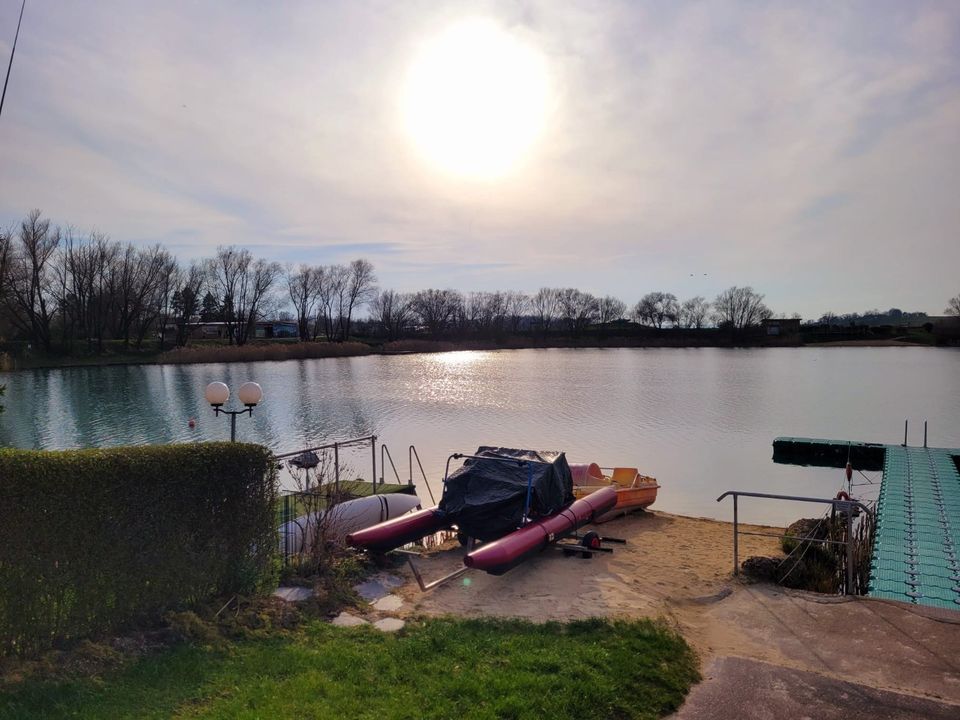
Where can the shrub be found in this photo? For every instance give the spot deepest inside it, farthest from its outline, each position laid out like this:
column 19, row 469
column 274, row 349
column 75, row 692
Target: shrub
column 91, row 540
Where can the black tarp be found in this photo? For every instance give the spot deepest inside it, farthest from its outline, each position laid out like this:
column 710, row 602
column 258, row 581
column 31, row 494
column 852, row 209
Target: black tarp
column 486, row 497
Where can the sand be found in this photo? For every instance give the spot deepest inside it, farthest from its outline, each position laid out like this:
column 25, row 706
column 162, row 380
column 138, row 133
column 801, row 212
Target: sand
column 667, row 558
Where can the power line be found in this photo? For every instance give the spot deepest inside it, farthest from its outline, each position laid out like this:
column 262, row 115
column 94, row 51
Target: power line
column 12, row 52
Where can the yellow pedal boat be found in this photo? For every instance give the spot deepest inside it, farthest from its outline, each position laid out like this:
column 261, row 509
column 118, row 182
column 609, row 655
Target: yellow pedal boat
column 634, row 490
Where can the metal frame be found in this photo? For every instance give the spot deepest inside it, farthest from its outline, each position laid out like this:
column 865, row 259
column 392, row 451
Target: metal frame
column 424, row 586
column 841, row 505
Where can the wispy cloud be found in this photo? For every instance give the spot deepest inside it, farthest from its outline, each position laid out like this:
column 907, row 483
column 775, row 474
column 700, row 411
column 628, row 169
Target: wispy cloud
column 734, row 142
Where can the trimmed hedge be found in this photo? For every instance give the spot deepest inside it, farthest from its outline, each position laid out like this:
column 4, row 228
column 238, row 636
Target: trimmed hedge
column 92, row 540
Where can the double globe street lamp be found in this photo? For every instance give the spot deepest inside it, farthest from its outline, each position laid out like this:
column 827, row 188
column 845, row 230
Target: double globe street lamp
column 217, row 394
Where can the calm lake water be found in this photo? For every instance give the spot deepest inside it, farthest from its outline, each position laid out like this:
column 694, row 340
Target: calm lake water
column 700, row 420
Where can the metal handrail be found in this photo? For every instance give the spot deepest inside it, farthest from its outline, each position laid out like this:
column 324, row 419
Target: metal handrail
column 411, row 454
column 385, row 452
column 838, row 504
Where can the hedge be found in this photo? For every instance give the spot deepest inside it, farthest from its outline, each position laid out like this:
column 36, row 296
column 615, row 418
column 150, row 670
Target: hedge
column 94, row 540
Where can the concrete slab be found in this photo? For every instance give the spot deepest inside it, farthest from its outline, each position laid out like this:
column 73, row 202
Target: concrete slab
column 388, row 603
column 389, row 624
column 881, row 644
column 345, row 619
column 294, row 593
column 741, row 689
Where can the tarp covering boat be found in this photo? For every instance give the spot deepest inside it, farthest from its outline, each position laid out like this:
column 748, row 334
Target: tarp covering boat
column 488, row 494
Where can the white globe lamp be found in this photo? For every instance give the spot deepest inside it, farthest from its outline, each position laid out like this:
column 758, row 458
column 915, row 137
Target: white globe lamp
column 250, row 394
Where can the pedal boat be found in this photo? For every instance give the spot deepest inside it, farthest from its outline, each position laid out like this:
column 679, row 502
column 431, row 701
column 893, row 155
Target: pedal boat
column 634, row 490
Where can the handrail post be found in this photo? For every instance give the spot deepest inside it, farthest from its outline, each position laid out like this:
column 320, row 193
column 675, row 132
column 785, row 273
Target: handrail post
column 336, row 467
column 849, row 550
column 736, row 540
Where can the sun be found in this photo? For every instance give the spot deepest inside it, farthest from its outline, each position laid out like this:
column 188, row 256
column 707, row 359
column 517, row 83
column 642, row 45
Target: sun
column 475, row 99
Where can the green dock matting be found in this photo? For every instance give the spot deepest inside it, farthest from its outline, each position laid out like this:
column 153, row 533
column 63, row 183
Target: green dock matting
column 916, row 547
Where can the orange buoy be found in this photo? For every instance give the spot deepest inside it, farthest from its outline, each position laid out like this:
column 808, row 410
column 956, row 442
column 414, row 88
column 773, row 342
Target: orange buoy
column 849, row 471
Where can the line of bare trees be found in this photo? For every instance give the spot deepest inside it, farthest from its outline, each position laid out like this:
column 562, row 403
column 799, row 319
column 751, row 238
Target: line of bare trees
column 567, row 310
column 63, row 291
column 60, row 290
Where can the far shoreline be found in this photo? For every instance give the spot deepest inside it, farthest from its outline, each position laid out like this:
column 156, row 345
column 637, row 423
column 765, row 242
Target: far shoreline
column 280, row 351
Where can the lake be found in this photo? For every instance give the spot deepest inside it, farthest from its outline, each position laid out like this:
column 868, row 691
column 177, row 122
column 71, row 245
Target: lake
column 700, row 420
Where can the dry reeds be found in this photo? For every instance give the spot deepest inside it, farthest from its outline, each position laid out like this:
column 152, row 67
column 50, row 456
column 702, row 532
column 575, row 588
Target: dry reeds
column 258, row 352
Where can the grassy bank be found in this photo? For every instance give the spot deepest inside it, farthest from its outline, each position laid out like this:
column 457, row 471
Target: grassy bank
column 445, row 668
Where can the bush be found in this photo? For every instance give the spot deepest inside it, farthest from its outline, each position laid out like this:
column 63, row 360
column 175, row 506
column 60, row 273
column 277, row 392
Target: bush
column 92, row 540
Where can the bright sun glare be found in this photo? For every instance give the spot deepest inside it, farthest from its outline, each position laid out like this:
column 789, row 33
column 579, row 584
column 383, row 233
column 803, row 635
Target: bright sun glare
column 475, row 99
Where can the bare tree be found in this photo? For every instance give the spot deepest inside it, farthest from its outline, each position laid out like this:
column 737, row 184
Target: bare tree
column 30, row 296
column 953, row 306
column 243, row 283
column 436, row 309
column 330, row 283
column 578, row 309
column 740, row 308
column 544, row 305
column 515, row 306
column 392, row 312
column 358, row 288
column 187, row 309
column 609, row 309
column 694, row 312
column 302, row 288
column 655, row 308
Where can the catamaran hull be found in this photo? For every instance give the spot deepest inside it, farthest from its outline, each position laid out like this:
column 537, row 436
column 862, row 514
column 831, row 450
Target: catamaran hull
column 398, row 532
column 509, row 551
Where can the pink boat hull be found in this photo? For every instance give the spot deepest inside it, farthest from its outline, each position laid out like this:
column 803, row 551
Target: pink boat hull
column 501, row 555
column 400, row 531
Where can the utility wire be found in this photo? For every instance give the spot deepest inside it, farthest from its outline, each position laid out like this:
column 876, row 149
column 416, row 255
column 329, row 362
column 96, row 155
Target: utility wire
column 12, row 52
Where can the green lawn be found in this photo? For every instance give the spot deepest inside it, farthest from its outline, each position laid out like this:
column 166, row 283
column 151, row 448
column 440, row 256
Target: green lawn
column 437, row 669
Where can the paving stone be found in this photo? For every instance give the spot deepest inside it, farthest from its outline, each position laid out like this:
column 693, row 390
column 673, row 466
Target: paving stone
column 389, row 624
column 345, row 619
column 377, row 586
column 293, row 593
column 388, row 603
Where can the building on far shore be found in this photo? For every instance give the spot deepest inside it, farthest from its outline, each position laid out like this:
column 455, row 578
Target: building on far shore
column 786, row 330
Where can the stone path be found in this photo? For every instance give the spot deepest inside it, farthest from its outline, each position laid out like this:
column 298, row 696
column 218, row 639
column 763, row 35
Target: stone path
column 376, row 590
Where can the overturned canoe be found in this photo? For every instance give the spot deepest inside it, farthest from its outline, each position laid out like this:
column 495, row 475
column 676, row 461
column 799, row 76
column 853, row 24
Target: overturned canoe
column 509, row 551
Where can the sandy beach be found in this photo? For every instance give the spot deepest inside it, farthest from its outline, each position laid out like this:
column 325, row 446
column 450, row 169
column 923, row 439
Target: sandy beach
column 667, row 558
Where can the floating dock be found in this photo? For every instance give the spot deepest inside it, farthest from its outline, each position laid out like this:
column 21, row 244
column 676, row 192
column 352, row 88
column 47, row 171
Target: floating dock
column 916, row 546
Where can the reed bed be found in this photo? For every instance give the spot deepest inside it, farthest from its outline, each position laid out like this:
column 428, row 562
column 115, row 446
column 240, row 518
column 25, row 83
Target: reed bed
column 265, row 351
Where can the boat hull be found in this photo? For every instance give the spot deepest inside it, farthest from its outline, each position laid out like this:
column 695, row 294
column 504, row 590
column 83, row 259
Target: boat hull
column 628, row 499
column 297, row 536
column 509, row 551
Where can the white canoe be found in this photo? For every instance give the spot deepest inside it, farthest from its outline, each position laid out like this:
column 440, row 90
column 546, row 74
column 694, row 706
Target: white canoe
column 297, row 536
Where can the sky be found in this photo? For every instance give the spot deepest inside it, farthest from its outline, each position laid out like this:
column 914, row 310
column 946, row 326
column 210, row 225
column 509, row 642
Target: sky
column 810, row 150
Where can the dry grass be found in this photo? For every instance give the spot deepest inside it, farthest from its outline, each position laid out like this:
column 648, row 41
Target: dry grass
column 264, row 351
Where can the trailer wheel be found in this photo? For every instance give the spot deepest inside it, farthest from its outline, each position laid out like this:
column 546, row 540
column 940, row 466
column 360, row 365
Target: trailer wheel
column 462, row 539
column 590, row 540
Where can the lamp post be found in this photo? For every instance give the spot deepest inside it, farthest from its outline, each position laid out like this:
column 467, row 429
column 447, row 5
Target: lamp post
column 217, row 394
